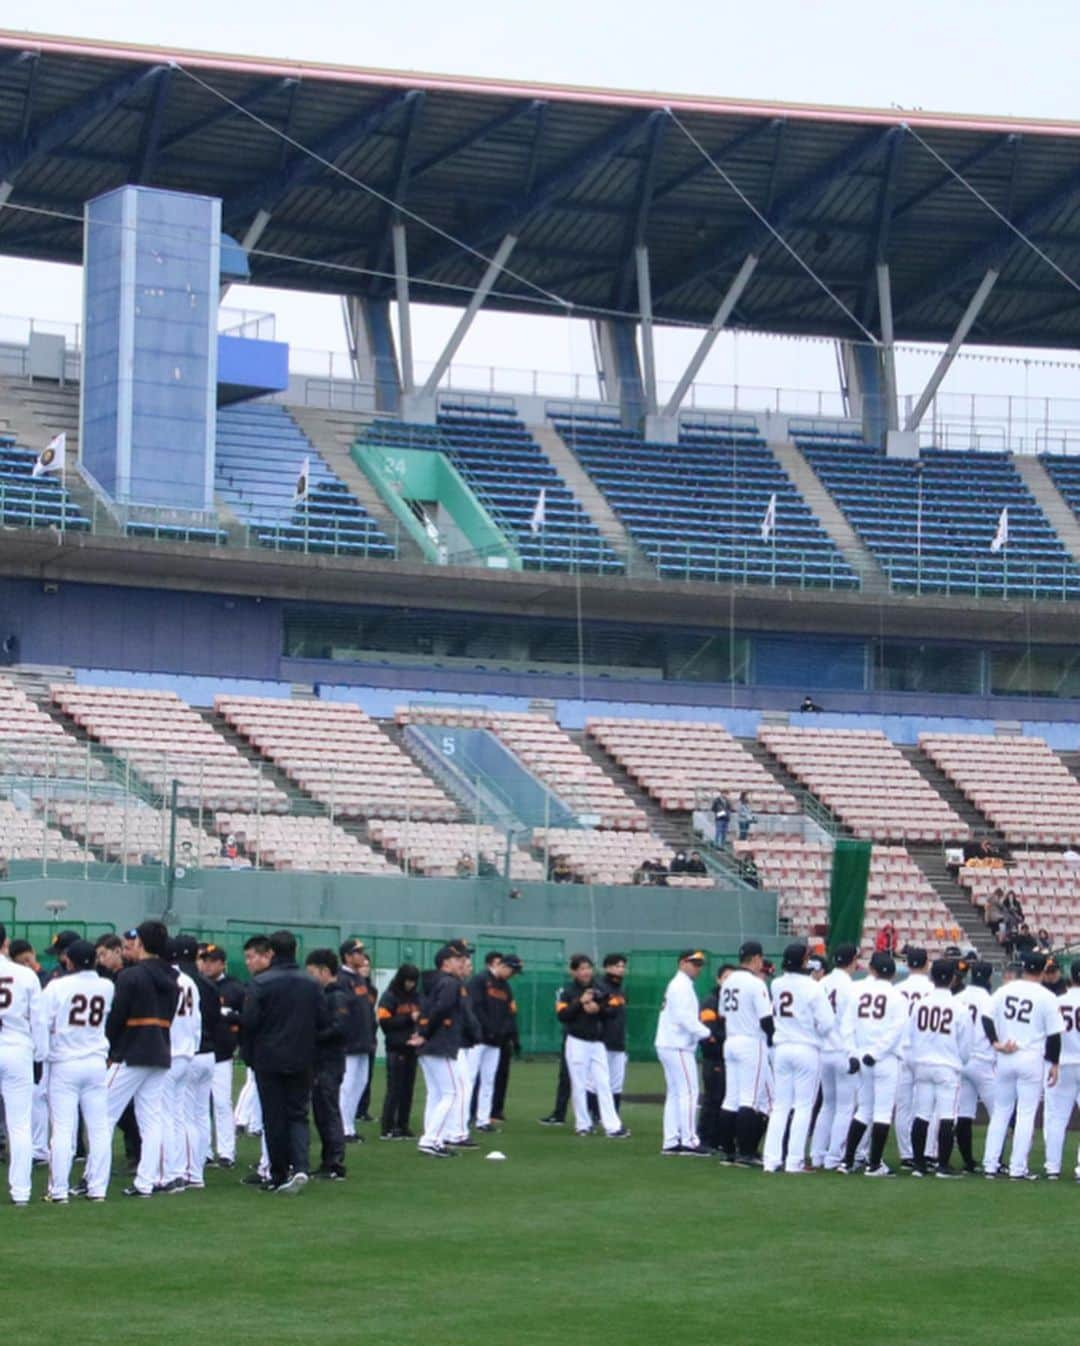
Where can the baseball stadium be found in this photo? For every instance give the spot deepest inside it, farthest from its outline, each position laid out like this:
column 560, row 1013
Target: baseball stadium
column 434, row 664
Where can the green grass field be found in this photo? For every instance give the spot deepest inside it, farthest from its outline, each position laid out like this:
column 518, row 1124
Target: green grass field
column 570, row 1240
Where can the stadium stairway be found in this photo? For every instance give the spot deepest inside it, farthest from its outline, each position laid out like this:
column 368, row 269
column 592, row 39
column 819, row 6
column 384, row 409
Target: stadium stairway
column 1053, row 504
column 671, row 826
column 952, row 794
column 872, row 579
column 565, row 462
column 931, row 860
column 299, row 801
column 333, row 434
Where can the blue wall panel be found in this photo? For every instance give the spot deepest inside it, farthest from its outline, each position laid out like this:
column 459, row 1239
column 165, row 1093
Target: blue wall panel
column 809, row 665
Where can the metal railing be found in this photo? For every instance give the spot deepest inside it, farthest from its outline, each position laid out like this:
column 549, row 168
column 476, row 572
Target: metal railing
column 1007, row 577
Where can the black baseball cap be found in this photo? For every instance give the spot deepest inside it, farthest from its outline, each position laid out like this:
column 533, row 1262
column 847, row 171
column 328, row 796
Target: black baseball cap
column 214, row 951
column 451, row 950
column 844, row 954
column 351, row 946
column 512, row 961
column 1074, row 971
column 187, row 948
column 942, row 971
column 883, row 963
column 62, row 941
column 692, row 956
column 750, row 948
column 81, row 954
column 794, row 957
column 1032, row 961
column 981, row 974
column 916, row 957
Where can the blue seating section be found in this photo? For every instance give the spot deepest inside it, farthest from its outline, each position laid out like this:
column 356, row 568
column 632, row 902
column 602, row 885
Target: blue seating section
column 1064, row 470
column 33, row 502
column 963, row 495
column 507, row 469
column 696, row 508
column 260, row 454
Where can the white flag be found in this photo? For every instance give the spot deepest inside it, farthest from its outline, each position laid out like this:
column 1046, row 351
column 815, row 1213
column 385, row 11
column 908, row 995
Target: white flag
column 768, row 523
column 536, row 522
column 1001, row 537
column 302, row 482
column 51, row 457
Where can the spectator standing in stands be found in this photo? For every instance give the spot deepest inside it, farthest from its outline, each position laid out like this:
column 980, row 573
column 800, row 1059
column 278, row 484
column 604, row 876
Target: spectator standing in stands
column 465, row 867
column 745, row 816
column 721, row 812
column 285, row 1015
column 994, row 911
column 809, row 705
column 1011, row 906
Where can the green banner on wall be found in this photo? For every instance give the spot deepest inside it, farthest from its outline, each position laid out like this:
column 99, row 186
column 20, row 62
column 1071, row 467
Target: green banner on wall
column 847, row 891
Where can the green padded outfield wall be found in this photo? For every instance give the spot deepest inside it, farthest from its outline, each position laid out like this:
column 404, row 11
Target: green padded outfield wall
column 847, row 891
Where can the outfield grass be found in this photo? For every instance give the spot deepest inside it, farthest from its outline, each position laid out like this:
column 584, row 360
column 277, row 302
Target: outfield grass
column 569, row 1241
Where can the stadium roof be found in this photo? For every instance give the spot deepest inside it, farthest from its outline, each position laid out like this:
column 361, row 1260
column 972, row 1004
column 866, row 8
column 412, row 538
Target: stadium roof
column 580, row 176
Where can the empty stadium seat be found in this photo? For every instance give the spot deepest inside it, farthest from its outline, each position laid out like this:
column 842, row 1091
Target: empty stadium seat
column 678, row 762
column 259, row 457
column 33, row 744
column 597, row 856
column 799, row 872
column 435, row 849
column 866, row 782
column 129, row 831
column 164, row 740
column 696, row 508
column 1019, row 783
column 1047, row 884
column 338, row 755
column 962, row 496
column 301, row 843
column 507, row 470
column 27, row 501
column 23, row 836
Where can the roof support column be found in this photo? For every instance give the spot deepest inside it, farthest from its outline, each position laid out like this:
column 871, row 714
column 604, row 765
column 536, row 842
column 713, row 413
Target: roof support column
column 963, row 327
column 401, row 282
column 371, row 348
column 618, row 368
column 487, row 282
column 648, row 350
column 719, row 322
column 888, row 347
column 6, row 188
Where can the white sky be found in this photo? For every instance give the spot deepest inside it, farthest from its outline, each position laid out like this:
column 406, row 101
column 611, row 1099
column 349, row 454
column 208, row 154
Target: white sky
column 988, row 56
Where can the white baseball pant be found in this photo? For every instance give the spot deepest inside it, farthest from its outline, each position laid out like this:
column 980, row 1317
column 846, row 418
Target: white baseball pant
column 174, row 1149
column 224, row 1124
column 442, row 1081
column 1018, row 1084
column 75, row 1085
column 248, row 1110
column 905, row 1110
column 937, row 1093
column 838, row 1090
column 586, row 1064
column 681, row 1098
column 744, row 1064
column 200, row 1082
column 17, row 1091
column 39, row 1116
column 458, row 1126
column 976, row 1086
column 616, row 1067
column 145, row 1085
column 797, row 1070
column 1058, row 1104
column 877, row 1091
column 353, row 1084
column 483, row 1065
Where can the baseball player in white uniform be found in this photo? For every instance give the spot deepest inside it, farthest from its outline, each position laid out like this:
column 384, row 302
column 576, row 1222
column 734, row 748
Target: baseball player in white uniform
column 937, row 1046
column 746, row 1009
column 1025, row 1027
column 678, row 1033
column 1058, row 1102
column 838, row 1085
column 75, row 1008
column 23, row 1048
column 913, row 988
column 977, row 1080
column 804, row 1021
column 183, row 1043
column 877, row 1019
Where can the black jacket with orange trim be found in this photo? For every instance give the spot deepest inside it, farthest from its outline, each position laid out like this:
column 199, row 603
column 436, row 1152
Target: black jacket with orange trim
column 330, row 1044
column 712, row 1047
column 142, row 1011
column 494, row 1008
column 360, row 1037
column 572, row 1015
column 230, row 993
column 395, row 1014
column 444, row 1017
column 615, row 1020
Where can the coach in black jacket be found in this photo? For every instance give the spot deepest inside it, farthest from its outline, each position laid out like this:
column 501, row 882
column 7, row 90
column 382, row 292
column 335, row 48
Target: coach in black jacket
column 285, row 1013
